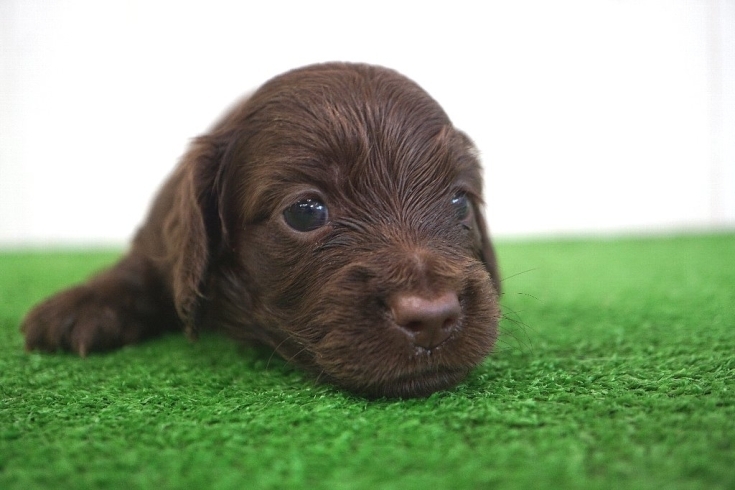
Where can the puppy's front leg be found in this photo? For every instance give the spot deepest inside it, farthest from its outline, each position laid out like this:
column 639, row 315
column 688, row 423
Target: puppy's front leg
column 122, row 305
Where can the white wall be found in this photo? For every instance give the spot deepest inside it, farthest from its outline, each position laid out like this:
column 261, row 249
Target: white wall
column 592, row 116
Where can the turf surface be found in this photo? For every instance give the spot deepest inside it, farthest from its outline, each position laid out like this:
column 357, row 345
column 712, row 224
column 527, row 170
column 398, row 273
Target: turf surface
column 615, row 369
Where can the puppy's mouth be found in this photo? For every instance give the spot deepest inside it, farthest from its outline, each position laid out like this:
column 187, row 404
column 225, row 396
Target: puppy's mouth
column 394, row 368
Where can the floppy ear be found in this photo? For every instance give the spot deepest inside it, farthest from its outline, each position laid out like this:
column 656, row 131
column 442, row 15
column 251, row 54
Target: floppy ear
column 192, row 227
column 470, row 158
column 488, row 252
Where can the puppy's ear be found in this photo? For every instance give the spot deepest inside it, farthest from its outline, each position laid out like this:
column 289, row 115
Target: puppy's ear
column 470, row 161
column 192, row 227
column 488, row 252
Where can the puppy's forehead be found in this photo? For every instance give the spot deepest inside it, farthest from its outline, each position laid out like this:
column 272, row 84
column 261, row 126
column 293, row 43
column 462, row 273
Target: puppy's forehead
column 352, row 130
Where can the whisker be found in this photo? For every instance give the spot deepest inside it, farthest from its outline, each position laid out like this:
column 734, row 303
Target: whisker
column 267, row 364
column 517, row 322
column 290, row 359
column 316, row 381
column 529, row 295
column 513, row 341
column 519, row 331
column 519, row 273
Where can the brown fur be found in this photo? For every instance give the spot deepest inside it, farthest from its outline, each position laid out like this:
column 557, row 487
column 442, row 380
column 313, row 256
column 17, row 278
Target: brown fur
column 215, row 251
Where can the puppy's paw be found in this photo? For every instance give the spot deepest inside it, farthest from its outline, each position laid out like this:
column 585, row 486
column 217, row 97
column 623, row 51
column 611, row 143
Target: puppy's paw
column 82, row 319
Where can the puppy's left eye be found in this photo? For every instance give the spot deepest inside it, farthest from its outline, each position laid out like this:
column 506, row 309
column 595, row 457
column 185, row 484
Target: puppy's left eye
column 306, row 215
column 461, row 205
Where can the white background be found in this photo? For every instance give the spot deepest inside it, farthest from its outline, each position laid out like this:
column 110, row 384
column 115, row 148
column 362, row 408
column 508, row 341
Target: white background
column 593, row 117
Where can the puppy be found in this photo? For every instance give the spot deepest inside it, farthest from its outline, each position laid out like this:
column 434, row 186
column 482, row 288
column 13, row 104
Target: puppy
column 335, row 216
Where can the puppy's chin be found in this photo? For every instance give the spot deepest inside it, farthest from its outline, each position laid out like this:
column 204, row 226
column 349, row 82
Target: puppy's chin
column 405, row 380
column 414, row 385
column 399, row 378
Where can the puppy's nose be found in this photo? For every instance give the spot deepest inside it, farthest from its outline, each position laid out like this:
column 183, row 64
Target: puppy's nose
column 427, row 321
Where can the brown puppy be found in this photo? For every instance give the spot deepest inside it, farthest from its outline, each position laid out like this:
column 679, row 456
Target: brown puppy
column 334, row 216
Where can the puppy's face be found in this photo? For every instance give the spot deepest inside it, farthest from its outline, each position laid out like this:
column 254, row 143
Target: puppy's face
column 350, row 232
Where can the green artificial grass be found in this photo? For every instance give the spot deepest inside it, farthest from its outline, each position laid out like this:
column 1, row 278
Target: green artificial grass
column 615, row 369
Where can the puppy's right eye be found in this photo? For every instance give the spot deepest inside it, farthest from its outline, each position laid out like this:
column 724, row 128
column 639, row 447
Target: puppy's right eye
column 306, row 215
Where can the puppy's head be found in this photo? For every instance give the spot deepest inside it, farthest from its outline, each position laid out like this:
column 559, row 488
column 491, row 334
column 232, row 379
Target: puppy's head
column 335, row 215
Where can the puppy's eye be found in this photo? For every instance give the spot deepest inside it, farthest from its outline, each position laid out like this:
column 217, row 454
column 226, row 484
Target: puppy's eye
column 461, row 205
column 306, row 215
